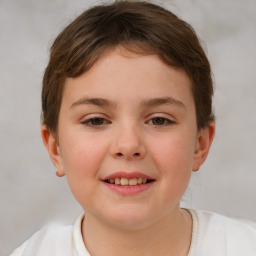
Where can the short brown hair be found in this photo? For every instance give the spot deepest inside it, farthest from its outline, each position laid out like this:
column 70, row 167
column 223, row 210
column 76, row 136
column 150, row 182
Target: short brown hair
column 139, row 26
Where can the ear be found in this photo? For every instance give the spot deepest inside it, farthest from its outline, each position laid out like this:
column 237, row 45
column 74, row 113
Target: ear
column 52, row 146
column 204, row 140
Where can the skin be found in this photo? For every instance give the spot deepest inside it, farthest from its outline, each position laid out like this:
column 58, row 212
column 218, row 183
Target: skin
column 133, row 132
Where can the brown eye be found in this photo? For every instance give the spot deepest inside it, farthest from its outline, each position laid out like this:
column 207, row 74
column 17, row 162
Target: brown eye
column 97, row 121
column 158, row 121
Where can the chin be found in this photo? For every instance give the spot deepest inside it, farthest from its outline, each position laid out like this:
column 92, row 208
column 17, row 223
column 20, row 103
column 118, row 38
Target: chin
column 129, row 219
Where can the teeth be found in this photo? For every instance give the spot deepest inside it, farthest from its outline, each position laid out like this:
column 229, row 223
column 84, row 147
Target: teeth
column 126, row 182
column 117, row 181
column 133, row 182
column 139, row 180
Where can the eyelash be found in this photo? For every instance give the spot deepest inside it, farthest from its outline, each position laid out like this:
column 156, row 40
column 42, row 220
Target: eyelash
column 101, row 121
column 166, row 121
column 90, row 121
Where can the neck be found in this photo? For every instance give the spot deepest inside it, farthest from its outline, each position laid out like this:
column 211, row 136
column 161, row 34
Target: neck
column 171, row 235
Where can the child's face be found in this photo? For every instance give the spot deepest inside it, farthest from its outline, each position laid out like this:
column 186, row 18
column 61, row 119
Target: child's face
column 132, row 117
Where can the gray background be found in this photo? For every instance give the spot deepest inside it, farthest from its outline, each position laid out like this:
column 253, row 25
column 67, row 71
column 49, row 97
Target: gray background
column 30, row 194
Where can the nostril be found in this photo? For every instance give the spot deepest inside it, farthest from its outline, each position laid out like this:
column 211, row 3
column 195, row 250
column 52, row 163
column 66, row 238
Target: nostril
column 128, row 156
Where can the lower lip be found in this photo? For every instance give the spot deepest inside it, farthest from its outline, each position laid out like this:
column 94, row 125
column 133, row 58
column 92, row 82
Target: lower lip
column 129, row 190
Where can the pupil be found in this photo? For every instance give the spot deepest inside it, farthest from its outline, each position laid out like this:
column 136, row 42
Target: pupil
column 97, row 121
column 158, row 121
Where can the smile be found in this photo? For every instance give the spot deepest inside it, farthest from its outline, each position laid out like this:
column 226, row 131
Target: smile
column 128, row 182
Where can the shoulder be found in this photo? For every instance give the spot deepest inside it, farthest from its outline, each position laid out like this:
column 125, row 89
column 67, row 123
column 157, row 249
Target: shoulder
column 221, row 234
column 52, row 240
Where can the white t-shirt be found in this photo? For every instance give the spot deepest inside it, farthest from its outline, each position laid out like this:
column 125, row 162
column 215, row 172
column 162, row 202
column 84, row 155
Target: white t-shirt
column 213, row 235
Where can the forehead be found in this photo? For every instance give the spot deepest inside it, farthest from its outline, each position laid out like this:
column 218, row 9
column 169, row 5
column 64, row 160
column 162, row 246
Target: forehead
column 120, row 72
column 119, row 61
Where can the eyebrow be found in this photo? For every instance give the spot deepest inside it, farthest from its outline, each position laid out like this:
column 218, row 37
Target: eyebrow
column 161, row 101
column 93, row 101
column 146, row 103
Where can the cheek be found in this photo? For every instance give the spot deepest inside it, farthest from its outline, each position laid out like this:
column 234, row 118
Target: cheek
column 173, row 157
column 174, row 152
column 82, row 156
column 82, row 159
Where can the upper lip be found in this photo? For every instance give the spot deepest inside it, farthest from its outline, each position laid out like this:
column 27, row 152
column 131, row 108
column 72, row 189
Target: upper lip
column 128, row 175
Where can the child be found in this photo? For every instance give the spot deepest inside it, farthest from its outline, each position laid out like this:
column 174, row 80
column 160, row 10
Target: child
column 127, row 116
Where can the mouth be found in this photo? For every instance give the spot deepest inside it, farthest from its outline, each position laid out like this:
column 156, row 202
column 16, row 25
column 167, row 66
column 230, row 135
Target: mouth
column 129, row 183
column 123, row 181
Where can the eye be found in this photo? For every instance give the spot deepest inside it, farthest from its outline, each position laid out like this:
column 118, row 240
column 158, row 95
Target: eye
column 97, row 121
column 160, row 121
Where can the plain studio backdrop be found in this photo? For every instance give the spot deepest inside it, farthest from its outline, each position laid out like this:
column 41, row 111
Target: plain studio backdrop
column 31, row 195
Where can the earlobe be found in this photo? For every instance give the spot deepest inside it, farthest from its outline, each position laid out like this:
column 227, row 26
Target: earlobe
column 51, row 145
column 204, row 141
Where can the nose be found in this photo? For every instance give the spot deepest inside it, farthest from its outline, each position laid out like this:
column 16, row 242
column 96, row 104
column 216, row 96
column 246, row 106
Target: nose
column 128, row 144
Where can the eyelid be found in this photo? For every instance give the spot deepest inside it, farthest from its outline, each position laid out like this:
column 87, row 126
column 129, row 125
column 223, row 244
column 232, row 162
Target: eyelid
column 161, row 115
column 88, row 118
column 170, row 120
